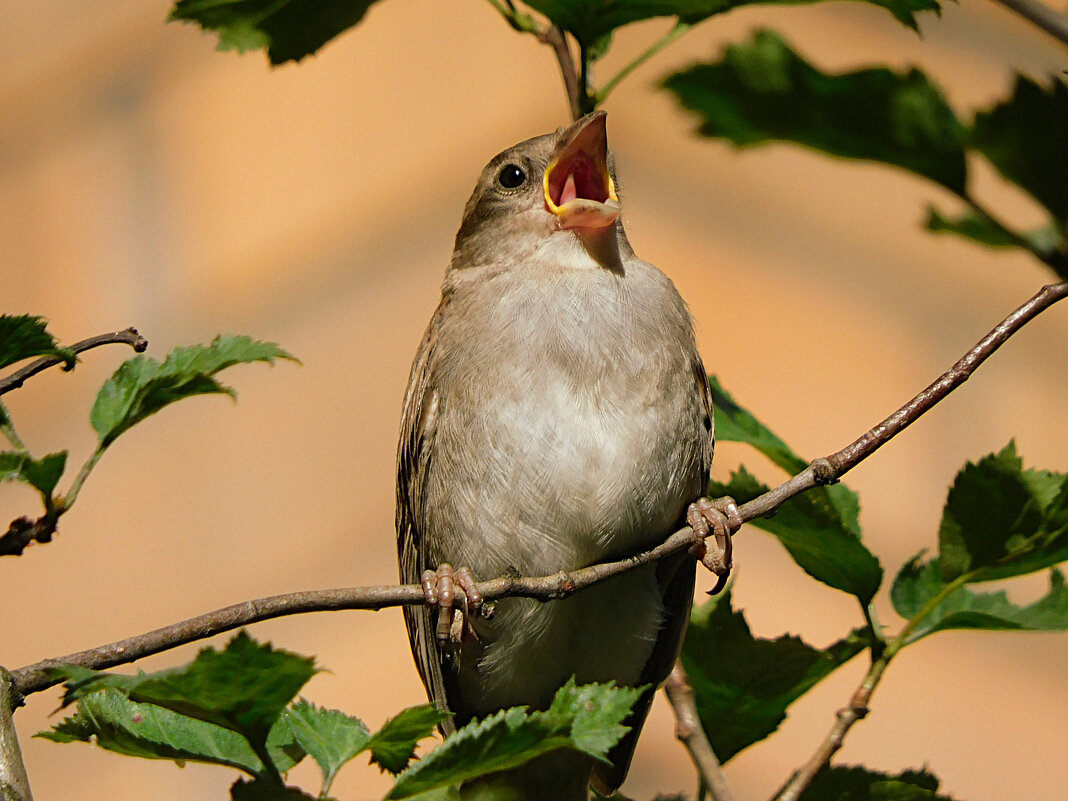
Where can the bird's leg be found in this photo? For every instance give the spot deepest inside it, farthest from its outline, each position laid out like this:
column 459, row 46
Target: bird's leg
column 720, row 518
column 439, row 589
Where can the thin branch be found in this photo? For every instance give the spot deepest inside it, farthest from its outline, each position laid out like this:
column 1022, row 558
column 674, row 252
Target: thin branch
column 7, row 428
column 14, row 784
column 554, row 36
column 24, row 530
column 1056, row 25
column 128, row 337
column 32, row 678
column 857, row 710
column 884, row 653
column 830, row 469
column 690, row 733
column 677, row 30
column 859, row 703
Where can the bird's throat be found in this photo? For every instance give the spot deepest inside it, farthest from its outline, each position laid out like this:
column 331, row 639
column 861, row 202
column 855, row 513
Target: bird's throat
column 602, row 245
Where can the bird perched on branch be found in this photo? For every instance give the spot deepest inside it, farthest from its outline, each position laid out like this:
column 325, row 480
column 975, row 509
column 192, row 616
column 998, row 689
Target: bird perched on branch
column 557, row 416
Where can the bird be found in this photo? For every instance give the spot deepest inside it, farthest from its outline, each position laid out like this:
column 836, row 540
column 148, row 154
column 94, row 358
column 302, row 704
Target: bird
column 557, row 415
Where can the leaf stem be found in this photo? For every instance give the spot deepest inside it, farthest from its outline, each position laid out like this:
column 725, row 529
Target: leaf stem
column 903, row 637
column 1049, row 257
column 270, row 770
column 677, row 30
column 524, row 23
column 7, row 428
column 875, row 629
column 87, row 468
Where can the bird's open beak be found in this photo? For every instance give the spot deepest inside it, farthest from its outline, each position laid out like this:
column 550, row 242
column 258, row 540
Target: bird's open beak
column 578, row 187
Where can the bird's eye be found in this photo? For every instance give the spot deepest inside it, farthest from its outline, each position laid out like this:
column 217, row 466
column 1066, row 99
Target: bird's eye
column 511, row 176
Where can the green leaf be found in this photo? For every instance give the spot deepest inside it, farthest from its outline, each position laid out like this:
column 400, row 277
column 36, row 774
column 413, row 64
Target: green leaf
column 243, row 688
column 743, row 684
column 449, row 793
column 330, row 737
column 287, row 29
column 590, row 19
column 971, row 225
column 848, row 783
column 587, row 718
column 597, row 712
column 268, row 790
column 81, row 682
column 114, row 722
column 394, row 744
column 599, row 48
column 1024, row 137
column 819, row 530
column 980, row 228
column 763, row 91
column 1002, row 521
column 23, row 336
column 919, row 583
column 11, row 466
column 142, row 386
column 43, row 475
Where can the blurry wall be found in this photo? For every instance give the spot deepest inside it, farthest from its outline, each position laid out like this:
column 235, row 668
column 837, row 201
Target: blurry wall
column 146, row 180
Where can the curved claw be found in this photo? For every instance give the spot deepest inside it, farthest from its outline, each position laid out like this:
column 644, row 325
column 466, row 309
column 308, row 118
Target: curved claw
column 719, row 517
column 440, row 589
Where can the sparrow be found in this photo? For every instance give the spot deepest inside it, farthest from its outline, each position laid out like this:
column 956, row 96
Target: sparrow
column 558, row 415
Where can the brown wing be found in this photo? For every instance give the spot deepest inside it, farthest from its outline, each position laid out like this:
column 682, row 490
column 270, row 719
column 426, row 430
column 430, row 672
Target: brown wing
column 676, row 577
column 418, row 423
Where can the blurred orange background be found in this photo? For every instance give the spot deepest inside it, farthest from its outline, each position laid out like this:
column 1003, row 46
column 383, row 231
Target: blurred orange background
column 146, row 180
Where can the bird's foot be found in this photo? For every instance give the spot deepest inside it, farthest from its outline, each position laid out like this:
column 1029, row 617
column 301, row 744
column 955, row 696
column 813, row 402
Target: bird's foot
column 439, row 589
column 721, row 519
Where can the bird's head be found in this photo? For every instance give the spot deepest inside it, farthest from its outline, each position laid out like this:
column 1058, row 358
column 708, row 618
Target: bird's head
column 559, row 184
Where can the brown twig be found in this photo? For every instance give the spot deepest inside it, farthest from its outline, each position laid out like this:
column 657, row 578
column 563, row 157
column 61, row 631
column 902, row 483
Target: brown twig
column 690, row 733
column 14, row 784
column 554, row 36
column 128, row 337
column 33, row 678
column 831, row 468
column 828, row 747
column 22, row 531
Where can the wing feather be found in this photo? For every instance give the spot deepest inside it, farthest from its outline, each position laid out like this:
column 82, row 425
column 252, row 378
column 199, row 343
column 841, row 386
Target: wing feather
column 418, row 426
